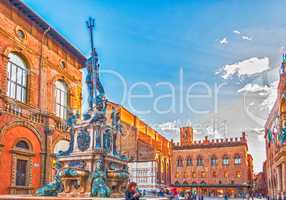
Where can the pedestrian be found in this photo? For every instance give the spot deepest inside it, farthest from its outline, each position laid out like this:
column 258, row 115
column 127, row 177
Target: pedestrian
column 132, row 192
column 190, row 196
column 225, row 197
column 174, row 194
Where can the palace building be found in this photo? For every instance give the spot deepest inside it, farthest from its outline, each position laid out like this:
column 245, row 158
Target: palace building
column 212, row 167
column 40, row 80
column 275, row 137
column 141, row 143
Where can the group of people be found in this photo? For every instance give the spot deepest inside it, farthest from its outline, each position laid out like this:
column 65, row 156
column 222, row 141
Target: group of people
column 193, row 196
column 133, row 193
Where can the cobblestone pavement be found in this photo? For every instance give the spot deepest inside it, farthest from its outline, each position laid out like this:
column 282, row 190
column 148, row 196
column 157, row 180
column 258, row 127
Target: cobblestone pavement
column 218, row 198
column 29, row 197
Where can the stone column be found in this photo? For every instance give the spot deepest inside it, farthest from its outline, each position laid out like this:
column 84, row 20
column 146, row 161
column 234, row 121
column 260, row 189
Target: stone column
column 283, row 179
column 159, row 170
column 43, row 173
column 279, row 182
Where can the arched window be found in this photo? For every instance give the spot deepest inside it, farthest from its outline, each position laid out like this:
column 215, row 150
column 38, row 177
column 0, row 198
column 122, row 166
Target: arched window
column 193, row 174
column 213, row 161
column 237, row 159
column 225, row 174
column 17, row 78
column 200, row 161
column 22, row 145
column 225, row 160
column 203, row 174
column 61, row 92
column 214, row 174
column 179, row 162
column 189, row 161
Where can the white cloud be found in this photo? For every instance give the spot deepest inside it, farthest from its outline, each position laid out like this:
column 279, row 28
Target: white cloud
column 223, row 41
column 254, row 88
column 236, row 32
column 272, row 95
column 246, row 67
column 213, row 133
column 244, row 37
column 168, row 126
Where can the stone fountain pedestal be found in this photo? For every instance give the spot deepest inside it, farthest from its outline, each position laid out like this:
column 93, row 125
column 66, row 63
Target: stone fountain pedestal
column 93, row 145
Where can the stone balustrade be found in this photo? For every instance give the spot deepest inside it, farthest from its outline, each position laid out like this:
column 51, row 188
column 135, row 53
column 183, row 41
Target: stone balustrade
column 30, row 113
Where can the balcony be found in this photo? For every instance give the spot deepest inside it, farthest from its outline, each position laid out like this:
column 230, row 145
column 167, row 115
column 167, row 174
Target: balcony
column 29, row 113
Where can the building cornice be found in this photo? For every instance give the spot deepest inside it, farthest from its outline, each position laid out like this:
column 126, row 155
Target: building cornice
column 43, row 25
column 209, row 145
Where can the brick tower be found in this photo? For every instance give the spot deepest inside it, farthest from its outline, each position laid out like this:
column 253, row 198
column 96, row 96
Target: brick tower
column 186, row 135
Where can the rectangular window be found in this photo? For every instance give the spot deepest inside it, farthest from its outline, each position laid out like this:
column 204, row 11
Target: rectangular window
column 61, row 103
column 21, row 172
column 200, row 162
column 225, row 161
column 16, row 82
column 237, row 161
column 213, row 162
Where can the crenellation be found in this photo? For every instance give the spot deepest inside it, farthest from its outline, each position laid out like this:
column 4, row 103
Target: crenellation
column 201, row 151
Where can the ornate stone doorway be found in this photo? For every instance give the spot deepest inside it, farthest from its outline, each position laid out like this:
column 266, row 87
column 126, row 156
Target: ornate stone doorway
column 21, row 160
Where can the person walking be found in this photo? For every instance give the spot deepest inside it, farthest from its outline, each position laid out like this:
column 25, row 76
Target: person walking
column 132, row 192
column 174, row 194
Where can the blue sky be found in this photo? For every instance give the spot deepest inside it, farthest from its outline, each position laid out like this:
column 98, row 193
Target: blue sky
column 151, row 41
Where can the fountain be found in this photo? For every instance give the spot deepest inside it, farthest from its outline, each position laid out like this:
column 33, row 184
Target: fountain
column 91, row 166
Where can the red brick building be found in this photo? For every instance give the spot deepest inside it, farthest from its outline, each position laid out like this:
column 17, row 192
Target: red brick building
column 212, row 167
column 40, row 80
column 259, row 184
column 141, row 143
column 275, row 148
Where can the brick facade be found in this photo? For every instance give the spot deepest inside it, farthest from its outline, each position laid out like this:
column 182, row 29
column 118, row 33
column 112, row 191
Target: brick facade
column 44, row 51
column 213, row 167
column 275, row 165
column 142, row 143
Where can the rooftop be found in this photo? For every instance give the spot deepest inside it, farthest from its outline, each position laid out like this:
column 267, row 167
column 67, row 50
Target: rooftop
column 43, row 25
